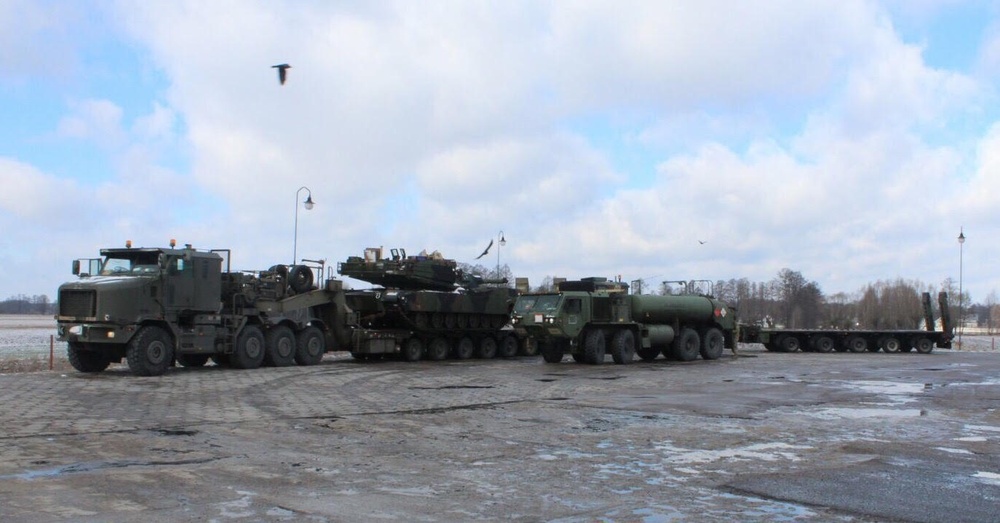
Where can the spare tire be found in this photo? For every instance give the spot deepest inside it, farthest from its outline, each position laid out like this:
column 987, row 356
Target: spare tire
column 300, row 278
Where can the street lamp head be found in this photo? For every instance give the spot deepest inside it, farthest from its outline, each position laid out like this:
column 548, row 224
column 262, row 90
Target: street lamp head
column 308, row 204
column 961, row 236
column 503, row 241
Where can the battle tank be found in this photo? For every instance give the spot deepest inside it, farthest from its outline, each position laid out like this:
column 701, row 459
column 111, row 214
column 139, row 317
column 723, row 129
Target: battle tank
column 427, row 308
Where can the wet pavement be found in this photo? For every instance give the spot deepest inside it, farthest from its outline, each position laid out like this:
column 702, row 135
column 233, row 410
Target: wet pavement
column 762, row 437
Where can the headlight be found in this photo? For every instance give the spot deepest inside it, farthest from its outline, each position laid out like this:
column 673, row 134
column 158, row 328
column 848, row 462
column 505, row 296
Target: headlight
column 76, row 330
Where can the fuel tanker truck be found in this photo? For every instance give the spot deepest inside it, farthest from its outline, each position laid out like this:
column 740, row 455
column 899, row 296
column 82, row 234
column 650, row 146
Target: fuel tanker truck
column 590, row 317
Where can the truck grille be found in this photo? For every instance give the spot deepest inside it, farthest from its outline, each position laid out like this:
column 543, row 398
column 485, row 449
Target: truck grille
column 78, row 304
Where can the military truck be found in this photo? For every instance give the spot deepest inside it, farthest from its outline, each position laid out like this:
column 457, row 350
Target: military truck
column 589, row 317
column 156, row 306
column 427, row 308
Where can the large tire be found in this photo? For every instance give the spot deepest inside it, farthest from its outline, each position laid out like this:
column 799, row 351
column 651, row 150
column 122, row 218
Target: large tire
column 192, row 360
column 623, row 347
column 890, row 344
column 593, row 347
column 822, row 344
column 150, row 352
column 713, row 342
column 487, row 348
column 856, row 344
column 249, row 350
column 85, row 360
column 310, row 345
column 686, row 345
column 923, row 345
column 437, row 349
column 507, row 347
column 413, row 349
column 465, row 348
column 788, row 343
column 648, row 353
column 280, row 343
column 551, row 352
column 300, row 278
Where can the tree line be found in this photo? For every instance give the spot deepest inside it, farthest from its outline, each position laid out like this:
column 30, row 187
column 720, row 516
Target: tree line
column 24, row 304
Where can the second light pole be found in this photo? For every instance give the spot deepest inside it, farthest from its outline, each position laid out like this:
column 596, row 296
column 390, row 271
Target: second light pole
column 502, row 241
column 961, row 318
column 308, row 204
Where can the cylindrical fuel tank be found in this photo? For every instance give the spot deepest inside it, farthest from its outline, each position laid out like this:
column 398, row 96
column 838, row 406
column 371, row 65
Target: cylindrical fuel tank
column 660, row 335
column 668, row 309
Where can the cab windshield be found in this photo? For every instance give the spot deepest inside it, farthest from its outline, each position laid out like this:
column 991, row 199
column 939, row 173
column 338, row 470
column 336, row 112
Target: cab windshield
column 544, row 304
column 137, row 266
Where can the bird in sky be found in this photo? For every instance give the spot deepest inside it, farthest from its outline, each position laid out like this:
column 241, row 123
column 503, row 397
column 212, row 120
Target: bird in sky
column 702, row 242
column 487, row 250
column 282, row 72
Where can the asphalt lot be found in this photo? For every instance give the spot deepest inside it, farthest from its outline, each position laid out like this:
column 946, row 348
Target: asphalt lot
column 760, row 437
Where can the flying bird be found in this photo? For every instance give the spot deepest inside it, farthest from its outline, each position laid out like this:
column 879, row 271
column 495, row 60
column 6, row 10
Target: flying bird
column 282, row 72
column 487, row 250
column 702, row 242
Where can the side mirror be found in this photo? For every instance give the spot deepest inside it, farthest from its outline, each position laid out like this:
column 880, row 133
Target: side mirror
column 76, row 267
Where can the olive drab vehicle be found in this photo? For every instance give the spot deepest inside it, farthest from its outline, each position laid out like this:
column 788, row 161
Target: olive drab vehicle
column 593, row 316
column 427, row 308
column 156, row 306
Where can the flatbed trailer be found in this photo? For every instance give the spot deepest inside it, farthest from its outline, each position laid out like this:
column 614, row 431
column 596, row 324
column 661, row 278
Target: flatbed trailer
column 843, row 340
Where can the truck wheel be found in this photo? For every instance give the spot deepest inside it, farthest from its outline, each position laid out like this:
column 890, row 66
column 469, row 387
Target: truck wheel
column 856, row 344
column 648, row 353
column 593, row 347
column 465, row 348
column 437, row 350
column 150, row 352
column 686, row 345
column 413, row 349
column 890, row 344
column 309, row 346
column 85, row 360
column 487, row 348
column 623, row 347
column 192, row 360
column 822, row 344
column 923, row 345
column 280, row 346
column 551, row 352
column 712, row 344
column 787, row 343
column 249, row 350
column 507, row 348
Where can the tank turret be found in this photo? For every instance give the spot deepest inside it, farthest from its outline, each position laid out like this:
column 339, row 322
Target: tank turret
column 422, row 272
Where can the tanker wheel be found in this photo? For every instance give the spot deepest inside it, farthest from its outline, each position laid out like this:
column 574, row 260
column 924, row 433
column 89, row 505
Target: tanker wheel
column 465, row 348
column 487, row 348
column 413, row 349
column 507, row 347
column 857, row 344
column 249, row 350
column 712, row 344
column 309, row 346
column 648, row 353
column 593, row 347
column 280, row 346
column 924, row 345
column 623, row 347
column 551, row 352
column 437, row 349
column 890, row 344
column 85, row 360
column 686, row 345
column 192, row 360
column 822, row 344
column 150, row 352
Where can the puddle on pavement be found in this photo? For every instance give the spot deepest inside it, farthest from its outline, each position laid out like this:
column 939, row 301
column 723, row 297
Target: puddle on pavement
column 864, row 413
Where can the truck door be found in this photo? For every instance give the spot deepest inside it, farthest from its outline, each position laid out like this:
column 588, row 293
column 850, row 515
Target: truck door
column 180, row 284
column 575, row 312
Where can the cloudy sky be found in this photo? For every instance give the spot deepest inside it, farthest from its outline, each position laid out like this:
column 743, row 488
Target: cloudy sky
column 849, row 140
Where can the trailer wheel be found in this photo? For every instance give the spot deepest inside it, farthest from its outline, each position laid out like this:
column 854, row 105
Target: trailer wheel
column 413, row 349
column 309, row 346
column 593, row 347
column 487, row 348
column 623, row 347
column 437, row 349
column 924, row 345
column 280, row 346
column 712, row 344
column 249, row 351
column 465, row 348
column 150, row 352
column 85, row 360
column 507, row 348
column 551, row 352
column 822, row 344
column 890, row 344
column 856, row 344
column 787, row 343
column 648, row 353
column 686, row 345
column 192, row 360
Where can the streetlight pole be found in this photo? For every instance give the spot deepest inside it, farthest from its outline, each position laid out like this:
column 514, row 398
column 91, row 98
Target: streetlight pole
column 501, row 243
column 308, row 204
column 961, row 317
